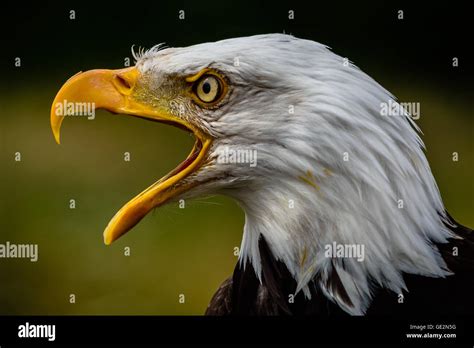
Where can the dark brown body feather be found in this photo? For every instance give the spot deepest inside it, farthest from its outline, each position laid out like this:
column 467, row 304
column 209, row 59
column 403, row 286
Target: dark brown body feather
column 243, row 294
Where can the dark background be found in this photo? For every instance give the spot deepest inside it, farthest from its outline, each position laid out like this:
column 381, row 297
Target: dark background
column 188, row 251
column 422, row 43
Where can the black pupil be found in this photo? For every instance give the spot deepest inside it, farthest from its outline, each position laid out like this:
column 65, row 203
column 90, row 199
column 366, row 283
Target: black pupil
column 206, row 87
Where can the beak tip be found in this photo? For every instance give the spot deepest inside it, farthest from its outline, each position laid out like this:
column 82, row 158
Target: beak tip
column 108, row 237
column 56, row 122
column 107, row 240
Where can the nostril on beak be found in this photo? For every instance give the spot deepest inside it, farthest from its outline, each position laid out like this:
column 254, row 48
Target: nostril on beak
column 123, row 84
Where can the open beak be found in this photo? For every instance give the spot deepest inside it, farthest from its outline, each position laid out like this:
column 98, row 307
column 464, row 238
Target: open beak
column 113, row 90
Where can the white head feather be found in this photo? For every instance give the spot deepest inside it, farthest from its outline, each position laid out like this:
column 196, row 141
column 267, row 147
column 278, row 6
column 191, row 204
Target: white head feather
column 303, row 195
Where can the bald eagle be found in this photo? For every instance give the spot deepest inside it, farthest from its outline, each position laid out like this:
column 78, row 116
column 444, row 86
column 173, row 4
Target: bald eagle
column 342, row 213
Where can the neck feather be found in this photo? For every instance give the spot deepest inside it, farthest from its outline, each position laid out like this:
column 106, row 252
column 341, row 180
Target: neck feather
column 346, row 241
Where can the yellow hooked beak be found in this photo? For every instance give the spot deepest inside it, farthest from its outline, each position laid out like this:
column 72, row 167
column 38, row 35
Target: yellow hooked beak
column 113, row 90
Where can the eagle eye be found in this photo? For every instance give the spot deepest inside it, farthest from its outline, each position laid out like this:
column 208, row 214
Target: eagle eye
column 208, row 88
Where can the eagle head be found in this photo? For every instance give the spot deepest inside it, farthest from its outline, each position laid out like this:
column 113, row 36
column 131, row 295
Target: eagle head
column 295, row 134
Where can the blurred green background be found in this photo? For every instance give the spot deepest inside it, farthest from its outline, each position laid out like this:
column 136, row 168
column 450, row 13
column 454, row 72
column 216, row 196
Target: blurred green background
column 179, row 251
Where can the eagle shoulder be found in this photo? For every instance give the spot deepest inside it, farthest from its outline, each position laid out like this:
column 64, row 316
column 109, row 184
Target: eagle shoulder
column 221, row 302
